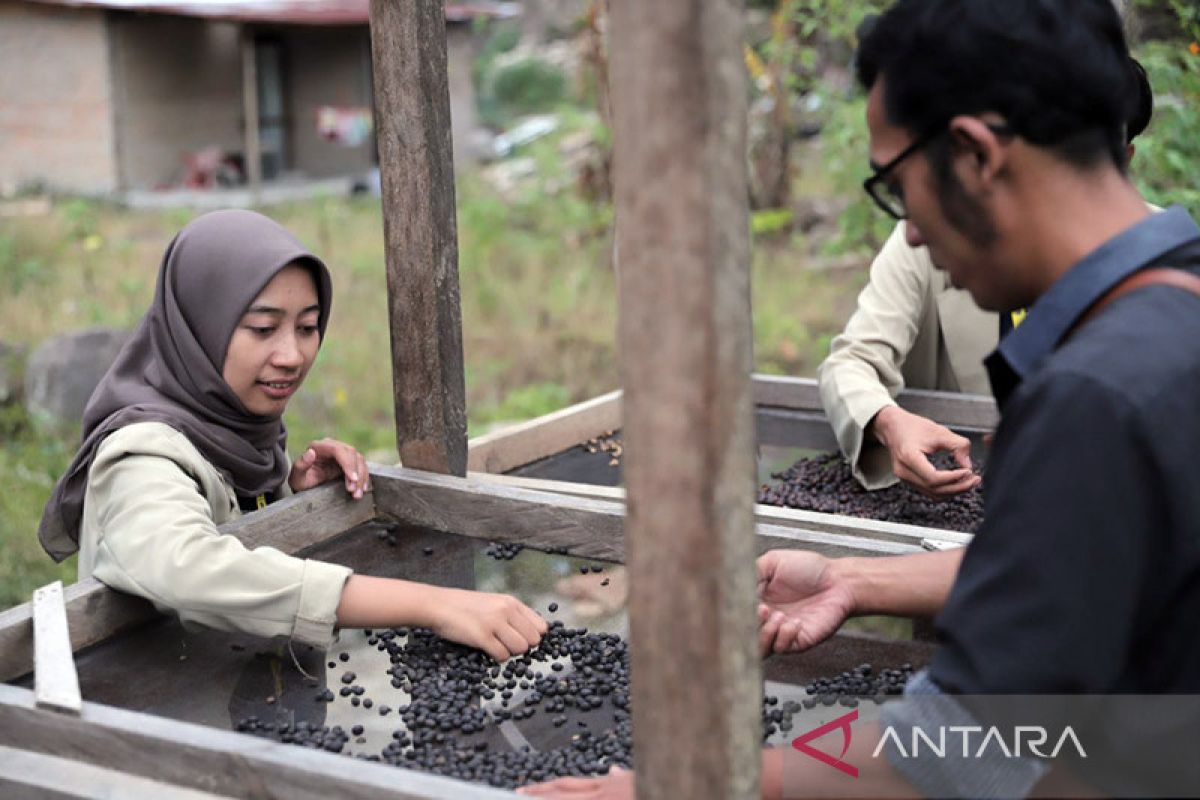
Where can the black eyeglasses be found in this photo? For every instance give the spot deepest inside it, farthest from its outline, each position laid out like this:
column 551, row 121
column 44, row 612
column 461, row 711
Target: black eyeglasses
column 891, row 198
column 888, row 197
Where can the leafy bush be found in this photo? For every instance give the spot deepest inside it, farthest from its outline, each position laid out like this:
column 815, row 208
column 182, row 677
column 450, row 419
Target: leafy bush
column 844, row 147
column 524, row 87
column 503, row 39
column 1164, row 166
column 529, row 85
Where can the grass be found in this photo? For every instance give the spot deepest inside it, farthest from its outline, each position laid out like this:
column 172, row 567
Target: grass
column 538, row 308
column 538, row 295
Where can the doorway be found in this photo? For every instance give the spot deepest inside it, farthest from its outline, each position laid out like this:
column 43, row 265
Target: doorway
column 272, row 108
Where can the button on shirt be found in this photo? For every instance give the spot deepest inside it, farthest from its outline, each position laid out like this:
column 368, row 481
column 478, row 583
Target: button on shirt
column 1085, row 575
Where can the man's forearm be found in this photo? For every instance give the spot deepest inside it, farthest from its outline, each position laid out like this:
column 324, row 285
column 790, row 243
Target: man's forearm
column 788, row 774
column 906, row 586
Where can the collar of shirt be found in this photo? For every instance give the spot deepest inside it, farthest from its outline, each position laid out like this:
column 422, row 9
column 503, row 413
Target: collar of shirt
column 1026, row 347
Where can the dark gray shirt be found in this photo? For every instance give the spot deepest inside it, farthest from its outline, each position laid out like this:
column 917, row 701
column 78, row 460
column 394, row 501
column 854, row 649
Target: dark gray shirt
column 1085, row 575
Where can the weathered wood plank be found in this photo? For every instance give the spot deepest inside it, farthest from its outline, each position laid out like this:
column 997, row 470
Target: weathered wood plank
column 788, row 413
column 953, row 410
column 578, row 526
column 958, row 411
column 303, row 520
column 95, row 612
column 552, row 433
column 845, row 650
column 799, row 394
column 785, row 427
column 678, row 88
column 583, row 527
column 763, row 514
column 412, row 130
column 210, row 760
column 36, row 775
column 56, row 684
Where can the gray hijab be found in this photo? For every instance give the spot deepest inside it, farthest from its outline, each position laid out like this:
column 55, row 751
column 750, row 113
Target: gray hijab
column 170, row 370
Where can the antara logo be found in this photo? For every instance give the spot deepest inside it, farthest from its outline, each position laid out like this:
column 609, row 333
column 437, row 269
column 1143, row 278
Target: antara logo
column 1028, row 741
column 843, row 722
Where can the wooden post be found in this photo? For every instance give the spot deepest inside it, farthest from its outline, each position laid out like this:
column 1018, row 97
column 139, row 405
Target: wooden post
column 412, row 126
column 251, row 141
column 679, row 108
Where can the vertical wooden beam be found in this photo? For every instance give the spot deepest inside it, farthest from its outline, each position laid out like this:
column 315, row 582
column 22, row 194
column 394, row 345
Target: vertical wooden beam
column 679, row 109
column 412, row 124
column 251, row 142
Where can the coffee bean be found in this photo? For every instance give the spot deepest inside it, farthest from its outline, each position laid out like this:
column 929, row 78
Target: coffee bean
column 453, row 692
column 826, row 484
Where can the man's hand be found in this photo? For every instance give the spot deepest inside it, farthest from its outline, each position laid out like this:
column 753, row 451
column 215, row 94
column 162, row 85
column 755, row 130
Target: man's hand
column 500, row 625
column 801, row 601
column 911, row 439
column 618, row 784
column 328, row 459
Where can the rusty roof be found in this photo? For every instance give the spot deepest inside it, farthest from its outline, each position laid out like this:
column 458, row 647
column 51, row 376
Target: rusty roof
column 294, row 12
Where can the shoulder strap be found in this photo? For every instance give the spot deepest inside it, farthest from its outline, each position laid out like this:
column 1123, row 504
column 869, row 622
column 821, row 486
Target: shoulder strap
column 1154, row 276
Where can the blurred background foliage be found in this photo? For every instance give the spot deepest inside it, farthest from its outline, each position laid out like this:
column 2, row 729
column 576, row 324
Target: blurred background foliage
column 535, row 254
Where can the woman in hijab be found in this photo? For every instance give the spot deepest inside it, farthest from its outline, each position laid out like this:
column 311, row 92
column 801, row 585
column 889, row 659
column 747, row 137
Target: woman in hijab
column 185, row 433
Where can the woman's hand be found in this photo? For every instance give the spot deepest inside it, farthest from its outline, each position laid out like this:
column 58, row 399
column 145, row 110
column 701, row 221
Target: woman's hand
column 327, row 459
column 497, row 624
column 618, row 784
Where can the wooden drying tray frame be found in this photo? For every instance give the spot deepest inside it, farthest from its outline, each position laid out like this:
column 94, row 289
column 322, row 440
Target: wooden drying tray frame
column 788, row 413
column 158, row 756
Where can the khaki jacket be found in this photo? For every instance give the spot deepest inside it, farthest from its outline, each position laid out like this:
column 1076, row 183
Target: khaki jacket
column 150, row 518
column 911, row 330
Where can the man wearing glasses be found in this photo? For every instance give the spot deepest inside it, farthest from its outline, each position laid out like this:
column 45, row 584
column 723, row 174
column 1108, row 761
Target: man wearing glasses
column 913, row 329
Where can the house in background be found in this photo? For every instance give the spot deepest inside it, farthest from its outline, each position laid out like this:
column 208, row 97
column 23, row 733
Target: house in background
column 115, row 97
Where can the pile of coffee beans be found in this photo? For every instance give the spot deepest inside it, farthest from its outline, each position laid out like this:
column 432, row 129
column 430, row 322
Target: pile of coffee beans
column 777, row 716
column 826, row 484
column 862, row 681
column 456, row 693
column 304, row 734
column 846, row 689
column 503, row 551
column 608, row 443
column 456, row 696
column 388, row 534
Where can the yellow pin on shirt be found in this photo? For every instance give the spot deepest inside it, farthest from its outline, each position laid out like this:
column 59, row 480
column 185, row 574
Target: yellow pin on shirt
column 1018, row 316
column 261, row 501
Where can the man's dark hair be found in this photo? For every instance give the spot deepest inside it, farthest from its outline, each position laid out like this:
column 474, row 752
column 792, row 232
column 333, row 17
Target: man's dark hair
column 1057, row 71
column 1143, row 107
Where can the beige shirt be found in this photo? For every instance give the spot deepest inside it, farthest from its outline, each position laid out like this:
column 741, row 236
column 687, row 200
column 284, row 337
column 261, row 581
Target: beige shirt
column 911, row 330
column 150, row 518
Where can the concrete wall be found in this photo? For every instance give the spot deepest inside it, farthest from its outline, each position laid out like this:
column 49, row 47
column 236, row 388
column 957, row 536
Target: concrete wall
column 178, row 89
column 55, row 121
column 326, row 67
column 332, row 66
column 97, row 102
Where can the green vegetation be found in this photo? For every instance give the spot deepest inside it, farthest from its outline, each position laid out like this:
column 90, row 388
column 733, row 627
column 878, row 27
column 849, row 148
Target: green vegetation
column 1168, row 152
column 538, row 290
column 538, row 304
column 508, row 89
